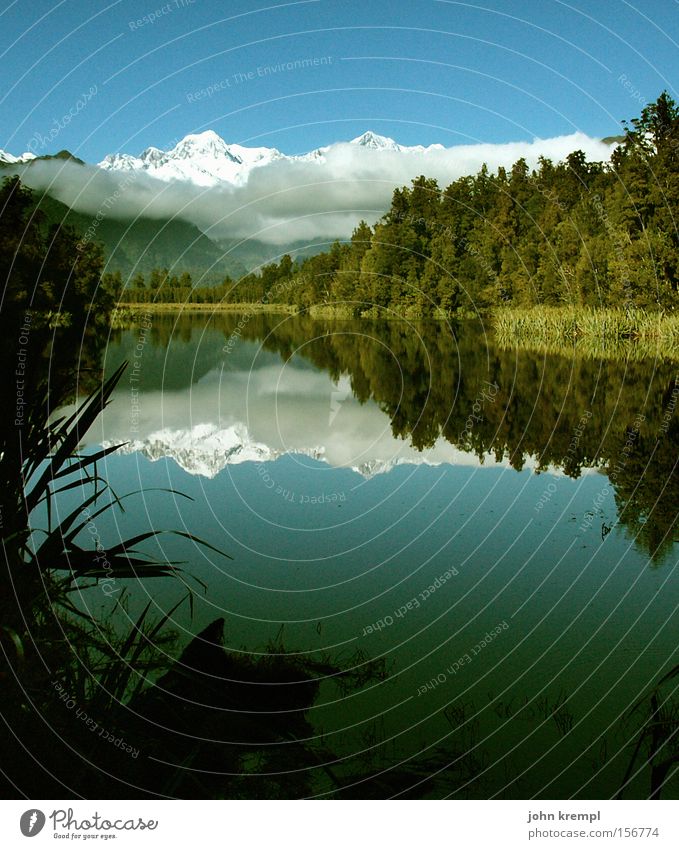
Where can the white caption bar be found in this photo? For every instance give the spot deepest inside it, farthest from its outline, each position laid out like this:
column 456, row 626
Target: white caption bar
column 339, row 824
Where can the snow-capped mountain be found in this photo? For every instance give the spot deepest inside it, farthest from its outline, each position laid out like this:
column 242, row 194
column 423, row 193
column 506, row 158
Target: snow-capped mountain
column 375, row 142
column 206, row 449
column 205, row 159
column 239, row 195
column 11, row 160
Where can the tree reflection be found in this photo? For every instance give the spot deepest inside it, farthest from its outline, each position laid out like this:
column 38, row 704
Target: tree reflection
column 437, row 380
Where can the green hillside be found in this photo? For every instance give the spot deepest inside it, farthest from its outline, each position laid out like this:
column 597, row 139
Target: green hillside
column 141, row 245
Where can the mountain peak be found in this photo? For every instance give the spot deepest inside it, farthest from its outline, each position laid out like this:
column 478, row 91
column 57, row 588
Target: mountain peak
column 8, row 159
column 152, row 153
column 208, row 144
column 207, row 140
column 373, row 141
column 205, row 159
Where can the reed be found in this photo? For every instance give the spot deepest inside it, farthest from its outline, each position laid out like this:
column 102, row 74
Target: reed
column 590, row 332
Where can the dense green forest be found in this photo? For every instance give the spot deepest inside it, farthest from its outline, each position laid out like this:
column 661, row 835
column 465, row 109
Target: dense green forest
column 576, row 233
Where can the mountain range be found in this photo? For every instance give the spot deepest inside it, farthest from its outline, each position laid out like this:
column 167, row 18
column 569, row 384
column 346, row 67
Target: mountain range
column 206, row 450
column 205, row 159
column 201, row 160
column 214, row 208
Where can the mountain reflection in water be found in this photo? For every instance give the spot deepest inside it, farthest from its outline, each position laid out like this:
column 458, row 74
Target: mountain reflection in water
column 370, row 396
column 451, row 564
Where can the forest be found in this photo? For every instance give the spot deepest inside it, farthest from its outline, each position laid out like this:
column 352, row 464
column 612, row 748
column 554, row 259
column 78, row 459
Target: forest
column 575, row 234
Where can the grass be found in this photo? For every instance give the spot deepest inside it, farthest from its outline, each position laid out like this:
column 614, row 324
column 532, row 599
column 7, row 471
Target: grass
column 590, row 332
column 48, row 639
column 134, row 308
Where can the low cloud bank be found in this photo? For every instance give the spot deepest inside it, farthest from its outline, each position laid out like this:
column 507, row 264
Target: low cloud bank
column 290, row 199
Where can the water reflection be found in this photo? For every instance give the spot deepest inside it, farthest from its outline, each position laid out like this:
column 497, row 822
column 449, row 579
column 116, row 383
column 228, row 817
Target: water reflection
column 371, row 396
column 459, row 625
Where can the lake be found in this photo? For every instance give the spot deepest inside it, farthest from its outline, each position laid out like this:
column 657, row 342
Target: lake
column 495, row 527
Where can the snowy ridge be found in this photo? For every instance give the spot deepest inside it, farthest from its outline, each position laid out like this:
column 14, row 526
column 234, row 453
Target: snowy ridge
column 11, row 160
column 205, row 449
column 205, row 159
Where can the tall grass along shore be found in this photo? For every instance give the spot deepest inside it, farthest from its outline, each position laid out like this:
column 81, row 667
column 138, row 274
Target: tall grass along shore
column 596, row 332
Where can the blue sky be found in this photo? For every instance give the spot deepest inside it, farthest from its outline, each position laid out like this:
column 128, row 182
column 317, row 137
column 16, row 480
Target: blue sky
column 422, row 71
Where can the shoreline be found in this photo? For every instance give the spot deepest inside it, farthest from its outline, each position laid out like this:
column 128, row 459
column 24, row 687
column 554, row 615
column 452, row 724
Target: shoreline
column 589, row 331
column 136, row 308
column 582, row 331
column 315, row 311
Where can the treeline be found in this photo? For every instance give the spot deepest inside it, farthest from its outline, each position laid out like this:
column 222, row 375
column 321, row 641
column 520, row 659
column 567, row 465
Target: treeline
column 158, row 286
column 577, row 233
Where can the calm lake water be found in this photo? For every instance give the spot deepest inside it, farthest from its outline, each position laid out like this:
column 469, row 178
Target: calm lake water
column 497, row 526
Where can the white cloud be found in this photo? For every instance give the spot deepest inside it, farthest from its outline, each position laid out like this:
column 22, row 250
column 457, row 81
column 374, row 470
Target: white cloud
column 291, row 199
